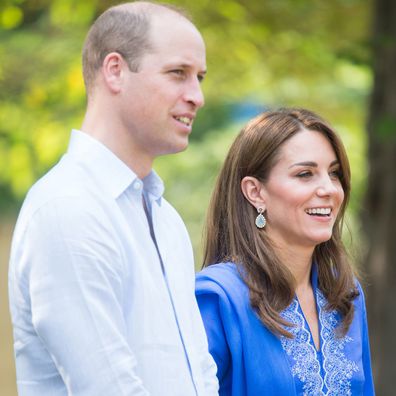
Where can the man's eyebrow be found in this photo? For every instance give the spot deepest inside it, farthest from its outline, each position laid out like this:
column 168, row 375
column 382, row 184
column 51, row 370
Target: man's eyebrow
column 312, row 164
column 186, row 66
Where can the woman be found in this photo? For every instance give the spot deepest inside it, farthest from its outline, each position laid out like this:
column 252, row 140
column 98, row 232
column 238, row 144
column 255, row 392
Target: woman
column 282, row 309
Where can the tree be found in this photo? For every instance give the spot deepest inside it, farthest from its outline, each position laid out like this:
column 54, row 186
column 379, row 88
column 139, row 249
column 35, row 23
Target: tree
column 380, row 217
column 277, row 52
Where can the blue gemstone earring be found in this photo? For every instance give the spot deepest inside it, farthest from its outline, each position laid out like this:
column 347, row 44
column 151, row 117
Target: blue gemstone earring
column 260, row 219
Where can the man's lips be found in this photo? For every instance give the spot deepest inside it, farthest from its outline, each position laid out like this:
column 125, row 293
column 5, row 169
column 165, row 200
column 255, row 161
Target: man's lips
column 185, row 119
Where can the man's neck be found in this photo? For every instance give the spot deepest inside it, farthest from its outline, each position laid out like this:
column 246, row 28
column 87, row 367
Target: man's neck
column 112, row 135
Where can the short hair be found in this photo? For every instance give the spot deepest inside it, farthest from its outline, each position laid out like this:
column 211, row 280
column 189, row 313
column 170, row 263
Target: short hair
column 123, row 29
column 231, row 234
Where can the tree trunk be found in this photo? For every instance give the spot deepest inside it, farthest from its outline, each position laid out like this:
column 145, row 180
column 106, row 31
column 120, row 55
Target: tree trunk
column 379, row 220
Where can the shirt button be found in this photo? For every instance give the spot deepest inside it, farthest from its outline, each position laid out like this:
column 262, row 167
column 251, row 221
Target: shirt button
column 137, row 185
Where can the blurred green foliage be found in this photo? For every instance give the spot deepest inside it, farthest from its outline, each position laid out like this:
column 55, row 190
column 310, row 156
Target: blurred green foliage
column 308, row 53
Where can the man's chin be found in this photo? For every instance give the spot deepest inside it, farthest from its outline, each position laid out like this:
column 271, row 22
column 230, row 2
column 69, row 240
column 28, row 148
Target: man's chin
column 174, row 149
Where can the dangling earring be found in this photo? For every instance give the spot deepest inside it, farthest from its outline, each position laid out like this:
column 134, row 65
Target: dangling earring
column 260, row 219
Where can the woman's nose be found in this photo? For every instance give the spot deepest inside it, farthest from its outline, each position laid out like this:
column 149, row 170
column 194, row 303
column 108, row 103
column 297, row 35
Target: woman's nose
column 327, row 186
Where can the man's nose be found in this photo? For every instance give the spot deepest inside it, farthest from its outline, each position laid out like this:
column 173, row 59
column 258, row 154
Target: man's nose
column 194, row 94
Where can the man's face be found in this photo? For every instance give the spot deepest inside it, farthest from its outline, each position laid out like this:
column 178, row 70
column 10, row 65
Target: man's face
column 161, row 100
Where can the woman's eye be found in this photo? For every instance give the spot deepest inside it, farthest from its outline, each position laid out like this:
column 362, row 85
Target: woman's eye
column 335, row 174
column 304, row 174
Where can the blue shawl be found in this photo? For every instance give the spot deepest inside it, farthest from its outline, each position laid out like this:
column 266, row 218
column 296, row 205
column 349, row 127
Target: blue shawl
column 252, row 361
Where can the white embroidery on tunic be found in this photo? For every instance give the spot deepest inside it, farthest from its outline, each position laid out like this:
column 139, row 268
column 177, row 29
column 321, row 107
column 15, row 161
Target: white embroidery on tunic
column 306, row 366
column 338, row 370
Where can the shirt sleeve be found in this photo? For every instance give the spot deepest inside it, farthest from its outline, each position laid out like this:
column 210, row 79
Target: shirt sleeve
column 74, row 272
column 207, row 363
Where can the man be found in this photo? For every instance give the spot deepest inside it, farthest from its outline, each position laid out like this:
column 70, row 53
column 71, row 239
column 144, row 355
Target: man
column 101, row 273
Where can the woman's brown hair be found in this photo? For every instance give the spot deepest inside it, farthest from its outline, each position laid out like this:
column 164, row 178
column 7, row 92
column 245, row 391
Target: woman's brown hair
column 231, row 234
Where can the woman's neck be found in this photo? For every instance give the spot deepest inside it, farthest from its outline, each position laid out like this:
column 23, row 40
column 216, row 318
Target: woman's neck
column 299, row 263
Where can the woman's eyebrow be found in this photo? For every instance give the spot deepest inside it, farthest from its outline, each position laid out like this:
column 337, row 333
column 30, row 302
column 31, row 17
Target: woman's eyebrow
column 312, row 164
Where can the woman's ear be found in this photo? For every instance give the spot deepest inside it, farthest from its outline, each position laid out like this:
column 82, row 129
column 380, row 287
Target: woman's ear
column 253, row 190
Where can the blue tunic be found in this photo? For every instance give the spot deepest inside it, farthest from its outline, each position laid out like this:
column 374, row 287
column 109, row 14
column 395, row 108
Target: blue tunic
column 252, row 361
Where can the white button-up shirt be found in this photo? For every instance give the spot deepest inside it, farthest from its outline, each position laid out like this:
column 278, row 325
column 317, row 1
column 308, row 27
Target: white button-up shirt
column 102, row 300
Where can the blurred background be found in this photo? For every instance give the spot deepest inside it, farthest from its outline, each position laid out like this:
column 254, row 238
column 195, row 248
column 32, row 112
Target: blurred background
column 336, row 57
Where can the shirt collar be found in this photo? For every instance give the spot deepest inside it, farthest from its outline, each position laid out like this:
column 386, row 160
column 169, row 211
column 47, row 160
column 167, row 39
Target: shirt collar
column 114, row 175
column 153, row 185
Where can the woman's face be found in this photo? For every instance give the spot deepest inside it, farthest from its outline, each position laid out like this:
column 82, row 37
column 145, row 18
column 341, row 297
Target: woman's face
column 303, row 193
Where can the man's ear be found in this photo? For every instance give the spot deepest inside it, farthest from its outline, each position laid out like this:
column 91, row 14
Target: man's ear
column 253, row 190
column 112, row 71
